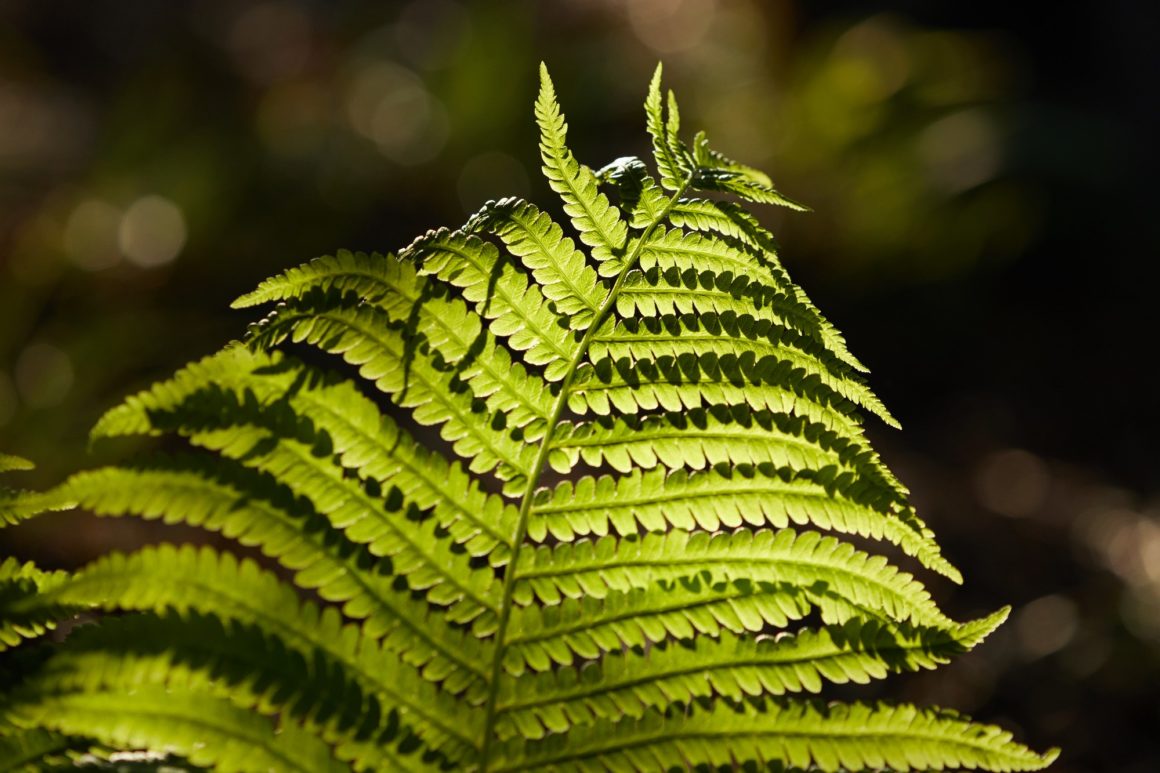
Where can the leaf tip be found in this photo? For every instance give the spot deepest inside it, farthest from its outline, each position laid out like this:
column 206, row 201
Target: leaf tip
column 975, row 631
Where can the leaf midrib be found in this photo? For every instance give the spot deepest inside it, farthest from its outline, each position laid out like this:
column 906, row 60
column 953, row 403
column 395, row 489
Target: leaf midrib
column 582, row 623
column 914, row 608
column 772, row 658
column 546, row 447
column 849, row 736
column 747, row 488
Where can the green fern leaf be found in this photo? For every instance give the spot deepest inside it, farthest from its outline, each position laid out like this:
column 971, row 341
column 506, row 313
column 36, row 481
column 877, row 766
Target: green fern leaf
column 836, row 575
column 500, row 293
column 557, row 266
column 633, row 683
column 255, row 510
column 205, row 729
column 387, row 355
column 588, row 501
column 400, row 669
column 17, row 506
column 730, row 497
column 712, row 335
column 19, row 583
column 672, row 158
column 596, row 221
column 804, row 735
column 35, row 749
column 585, row 628
column 253, row 407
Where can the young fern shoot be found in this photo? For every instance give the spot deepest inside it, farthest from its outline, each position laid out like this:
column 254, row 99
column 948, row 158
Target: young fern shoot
column 612, row 533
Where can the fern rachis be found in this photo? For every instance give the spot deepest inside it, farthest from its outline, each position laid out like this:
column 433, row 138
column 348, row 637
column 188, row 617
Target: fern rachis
column 674, row 599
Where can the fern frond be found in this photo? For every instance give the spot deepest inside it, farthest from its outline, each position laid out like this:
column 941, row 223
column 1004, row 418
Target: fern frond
column 483, row 594
column 19, row 506
column 741, row 230
column 742, row 270
column 810, row 371
column 672, row 160
column 207, row 730
column 674, row 248
column 452, row 332
column 264, row 399
column 501, row 293
column 695, row 439
column 586, row 627
column 704, row 437
column 558, row 267
column 19, row 583
column 680, row 383
column 633, row 682
column 395, row 287
column 820, row 565
column 414, row 653
column 596, row 221
column 736, row 227
column 257, row 511
column 722, row 497
column 370, row 277
column 656, row 293
column 828, row 738
column 641, row 198
column 33, row 749
column 241, row 663
column 387, row 356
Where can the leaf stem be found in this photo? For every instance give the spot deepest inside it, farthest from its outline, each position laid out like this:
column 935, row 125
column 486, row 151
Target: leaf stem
column 542, row 459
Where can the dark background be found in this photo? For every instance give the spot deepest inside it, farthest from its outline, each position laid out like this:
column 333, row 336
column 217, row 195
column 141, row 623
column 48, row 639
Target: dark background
column 983, row 183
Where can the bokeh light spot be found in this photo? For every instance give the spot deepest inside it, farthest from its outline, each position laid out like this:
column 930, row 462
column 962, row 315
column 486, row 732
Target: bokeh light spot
column 1012, row 482
column 44, row 375
column 390, row 105
column 152, row 231
column 669, row 26
column 873, row 59
column 1046, row 625
column 1140, row 611
column 960, row 151
column 91, row 235
column 1126, row 542
column 40, row 127
column 1148, row 544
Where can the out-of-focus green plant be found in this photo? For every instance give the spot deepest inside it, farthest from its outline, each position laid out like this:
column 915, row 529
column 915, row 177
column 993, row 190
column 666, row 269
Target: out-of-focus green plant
column 902, row 135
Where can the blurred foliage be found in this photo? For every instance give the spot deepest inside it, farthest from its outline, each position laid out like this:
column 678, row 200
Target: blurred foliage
column 981, row 178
